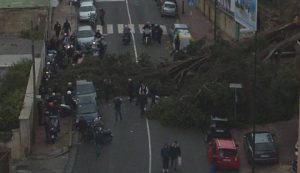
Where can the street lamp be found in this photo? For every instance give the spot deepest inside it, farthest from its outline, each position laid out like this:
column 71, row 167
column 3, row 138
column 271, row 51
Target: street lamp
column 235, row 86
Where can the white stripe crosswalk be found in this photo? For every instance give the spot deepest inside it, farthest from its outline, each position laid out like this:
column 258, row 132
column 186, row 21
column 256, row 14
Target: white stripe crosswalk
column 112, row 28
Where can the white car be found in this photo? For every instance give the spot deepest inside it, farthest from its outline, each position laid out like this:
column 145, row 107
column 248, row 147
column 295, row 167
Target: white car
column 169, row 8
column 86, row 9
column 85, row 36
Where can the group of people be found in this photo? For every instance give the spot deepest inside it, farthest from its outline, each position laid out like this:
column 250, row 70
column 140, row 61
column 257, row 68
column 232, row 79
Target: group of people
column 171, row 155
column 153, row 31
column 66, row 28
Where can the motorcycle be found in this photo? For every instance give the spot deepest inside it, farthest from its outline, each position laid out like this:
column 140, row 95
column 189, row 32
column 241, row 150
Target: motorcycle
column 99, row 47
column 147, row 36
column 53, row 126
column 106, row 135
column 126, row 38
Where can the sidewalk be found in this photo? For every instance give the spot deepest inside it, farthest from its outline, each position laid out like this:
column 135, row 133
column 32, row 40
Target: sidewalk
column 200, row 26
column 45, row 157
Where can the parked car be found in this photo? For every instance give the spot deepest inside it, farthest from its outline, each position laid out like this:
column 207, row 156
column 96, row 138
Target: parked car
column 217, row 128
column 168, row 8
column 265, row 147
column 181, row 30
column 86, row 9
column 85, row 37
column 225, row 152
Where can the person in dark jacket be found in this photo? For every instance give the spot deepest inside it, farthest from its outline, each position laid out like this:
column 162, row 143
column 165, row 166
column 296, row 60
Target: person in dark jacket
column 57, row 28
column 175, row 152
column 165, row 154
column 118, row 105
column 67, row 27
column 82, row 126
column 98, row 141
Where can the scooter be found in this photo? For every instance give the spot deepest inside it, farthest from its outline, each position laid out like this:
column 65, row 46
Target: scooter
column 53, row 128
column 147, row 36
column 106, row 134
column 126, row 38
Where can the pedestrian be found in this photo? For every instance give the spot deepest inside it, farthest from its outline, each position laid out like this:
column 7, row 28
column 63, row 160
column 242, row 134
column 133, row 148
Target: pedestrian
column 102, row 14
column 107, row 89
column 118, row 105
column 143, row 94
column 159, row 34
column 57, row 29
column 177, row 43
column 213, row 165
column 153, row 92
column 175, row 155
column 165, row 154
column 82, row 127
column 130, row 89
column 67, row 27
column 98, row 140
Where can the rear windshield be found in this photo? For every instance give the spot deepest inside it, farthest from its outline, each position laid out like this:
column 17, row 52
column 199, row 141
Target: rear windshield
column 170, row 5
column 227, row 153
column 264, row 147
column 85, row 89
column 86, row 8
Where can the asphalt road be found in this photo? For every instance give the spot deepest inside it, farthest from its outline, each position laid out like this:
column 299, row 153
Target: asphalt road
column 136, row 148
column 129, row 151
column 137, row 13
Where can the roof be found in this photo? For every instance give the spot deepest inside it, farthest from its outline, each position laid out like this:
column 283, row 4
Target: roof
column 85, row 27
column 225, row 143
column 263, row 137
column 86, row 3
column 183, row 26
column 23, row 3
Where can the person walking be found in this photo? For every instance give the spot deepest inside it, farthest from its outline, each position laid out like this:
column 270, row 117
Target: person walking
column 165, row 154
column 118, row 105
column 67, row 27
column 98, row 140
column 102, row 14
column 159, row 34
column 82, row 126
column 57, row 29
column 130, row 89
column 175, row 154
column 143, row 93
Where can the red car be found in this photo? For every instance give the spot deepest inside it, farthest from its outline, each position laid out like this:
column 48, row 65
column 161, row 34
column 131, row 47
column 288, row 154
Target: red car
column 225, row 153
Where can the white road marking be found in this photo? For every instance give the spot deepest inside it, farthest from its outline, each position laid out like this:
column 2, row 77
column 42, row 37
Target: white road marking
column 131, row 26
column 120, row 28
column 164, row 28
column 141, row 28
column 132, row 35
column 109, row 28
column 149, row 144
column 99, row 27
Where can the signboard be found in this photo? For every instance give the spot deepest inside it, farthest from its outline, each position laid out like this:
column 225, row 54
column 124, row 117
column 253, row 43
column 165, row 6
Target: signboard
column 226, row 5
column 191, row 2
column 245, row 13
column 235, row 85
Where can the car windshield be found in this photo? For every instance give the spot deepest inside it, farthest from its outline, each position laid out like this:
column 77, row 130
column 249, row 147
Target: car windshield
column 86, row 109
column 220, row 124
column 85, row 89
column 169, row 5
column 86, row 8
column 264, row 147
column 227, row 153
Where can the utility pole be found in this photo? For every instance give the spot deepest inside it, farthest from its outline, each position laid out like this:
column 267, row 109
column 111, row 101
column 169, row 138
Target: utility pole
column 254, row 106
column 33, row 71
column 215, row 23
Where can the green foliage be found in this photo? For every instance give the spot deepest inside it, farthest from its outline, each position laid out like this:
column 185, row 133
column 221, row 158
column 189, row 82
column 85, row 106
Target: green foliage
column 12, row 91
column 28, row 34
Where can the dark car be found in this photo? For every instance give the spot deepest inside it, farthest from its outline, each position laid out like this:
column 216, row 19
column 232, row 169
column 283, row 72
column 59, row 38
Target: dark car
column 217, row 128
column 84, row 87
column 89, row 111
column 265, row 147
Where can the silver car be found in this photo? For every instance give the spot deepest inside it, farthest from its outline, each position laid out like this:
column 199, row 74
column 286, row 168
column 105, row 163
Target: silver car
column 169, row 8
column 85, row 10
column 85, row 37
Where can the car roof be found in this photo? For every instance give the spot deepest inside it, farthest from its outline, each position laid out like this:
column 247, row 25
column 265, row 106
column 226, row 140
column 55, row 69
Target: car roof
column 225, row 143
column 87, row 98
column 169, row 2
column 182, row 26
column 81, row 82
column 87, row 3
column 215, row 118
column 85, row 27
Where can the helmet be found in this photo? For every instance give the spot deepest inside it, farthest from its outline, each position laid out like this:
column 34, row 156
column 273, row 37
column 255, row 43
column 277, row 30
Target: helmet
column 125, row 26
column 69, row 92
column 129, row 80
column 148, row 23
column 69, row 83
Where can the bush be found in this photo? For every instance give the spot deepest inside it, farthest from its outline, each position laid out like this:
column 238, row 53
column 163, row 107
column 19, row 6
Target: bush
column 12, row 91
